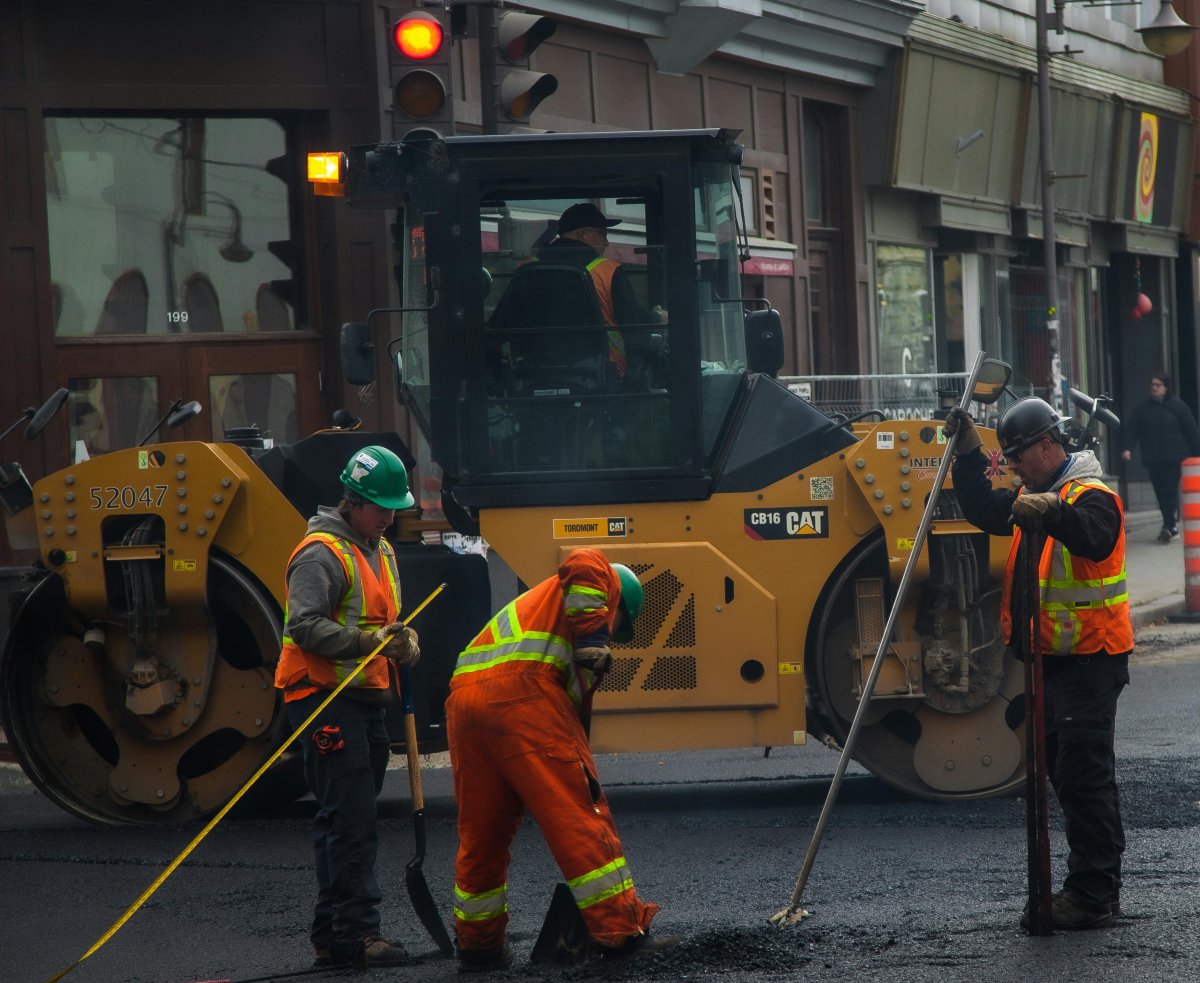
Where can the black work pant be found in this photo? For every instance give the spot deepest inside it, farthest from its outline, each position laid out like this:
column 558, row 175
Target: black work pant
column 345, row 782
column 1081, row 710
column 1164, row 478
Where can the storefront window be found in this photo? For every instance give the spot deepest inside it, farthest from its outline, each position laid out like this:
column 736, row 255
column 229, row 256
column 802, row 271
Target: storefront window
column 111, row 413
column 1032, row 350
column 263, row 400
column 165, row 226
column 951, row 312
column 904, row 311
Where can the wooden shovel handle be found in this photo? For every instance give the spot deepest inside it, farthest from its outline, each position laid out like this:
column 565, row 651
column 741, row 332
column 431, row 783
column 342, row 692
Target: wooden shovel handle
column 414, row 763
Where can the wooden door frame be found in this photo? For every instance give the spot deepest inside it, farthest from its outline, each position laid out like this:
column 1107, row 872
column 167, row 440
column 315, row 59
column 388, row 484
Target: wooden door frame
column 250, row 355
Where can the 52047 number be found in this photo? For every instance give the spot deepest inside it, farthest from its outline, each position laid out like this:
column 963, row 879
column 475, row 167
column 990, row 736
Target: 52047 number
column 126, row 497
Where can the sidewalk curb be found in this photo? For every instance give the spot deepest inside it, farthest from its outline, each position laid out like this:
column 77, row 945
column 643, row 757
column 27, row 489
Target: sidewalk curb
column 1156, row 611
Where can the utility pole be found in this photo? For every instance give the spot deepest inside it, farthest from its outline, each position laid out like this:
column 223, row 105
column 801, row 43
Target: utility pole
column 1046, row 164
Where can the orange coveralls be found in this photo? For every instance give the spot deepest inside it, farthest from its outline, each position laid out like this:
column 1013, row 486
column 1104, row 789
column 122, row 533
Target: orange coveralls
column 517, row 742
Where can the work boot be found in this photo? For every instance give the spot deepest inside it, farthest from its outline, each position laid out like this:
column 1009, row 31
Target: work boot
column 322, row 957
column 1070, row 915
column 371, row 951
column 637, row 946
column 1165, row 535
column 484, row 960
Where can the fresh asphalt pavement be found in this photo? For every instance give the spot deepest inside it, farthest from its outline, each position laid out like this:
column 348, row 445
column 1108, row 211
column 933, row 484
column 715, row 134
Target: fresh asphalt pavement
column 902, row 890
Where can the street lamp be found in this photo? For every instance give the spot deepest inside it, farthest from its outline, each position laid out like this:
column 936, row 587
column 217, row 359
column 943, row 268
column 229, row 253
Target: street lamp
column 1168, row 34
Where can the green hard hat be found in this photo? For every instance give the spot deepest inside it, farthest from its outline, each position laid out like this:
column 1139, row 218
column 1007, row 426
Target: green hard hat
column 632, row 598
column 378, row 475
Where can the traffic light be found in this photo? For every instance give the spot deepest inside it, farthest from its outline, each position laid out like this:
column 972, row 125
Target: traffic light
column 518, row 91
column 293, row 291
column 420, row 94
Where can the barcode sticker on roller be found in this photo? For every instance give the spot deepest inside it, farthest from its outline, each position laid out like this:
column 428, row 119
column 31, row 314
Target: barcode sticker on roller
column 820, row 489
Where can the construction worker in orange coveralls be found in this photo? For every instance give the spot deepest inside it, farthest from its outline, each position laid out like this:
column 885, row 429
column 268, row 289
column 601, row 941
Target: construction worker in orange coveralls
column 517, row 741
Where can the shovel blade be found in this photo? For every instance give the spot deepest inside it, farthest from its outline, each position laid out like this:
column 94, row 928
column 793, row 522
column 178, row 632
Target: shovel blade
column 423, row 905
column 564, row 938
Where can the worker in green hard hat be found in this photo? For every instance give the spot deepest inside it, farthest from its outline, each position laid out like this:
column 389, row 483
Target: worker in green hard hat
column 343, row 601
column 516, row 721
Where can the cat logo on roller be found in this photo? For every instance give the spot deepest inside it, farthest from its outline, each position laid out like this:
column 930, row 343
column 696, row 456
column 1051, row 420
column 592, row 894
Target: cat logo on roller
column 787, row 523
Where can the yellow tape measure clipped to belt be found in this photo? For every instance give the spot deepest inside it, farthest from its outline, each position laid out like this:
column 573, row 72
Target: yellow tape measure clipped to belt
column 158, row 882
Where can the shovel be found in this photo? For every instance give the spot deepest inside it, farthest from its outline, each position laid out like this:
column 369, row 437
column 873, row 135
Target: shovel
column 414, row 876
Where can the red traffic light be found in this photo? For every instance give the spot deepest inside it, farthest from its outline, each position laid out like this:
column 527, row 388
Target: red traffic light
column 418, row 36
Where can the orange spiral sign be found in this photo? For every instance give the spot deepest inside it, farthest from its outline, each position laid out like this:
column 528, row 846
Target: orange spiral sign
column 1147, row 168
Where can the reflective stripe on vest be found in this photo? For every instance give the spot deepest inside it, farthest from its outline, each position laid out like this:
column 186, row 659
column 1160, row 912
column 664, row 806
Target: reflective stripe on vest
column 602, row 272
column 510, row 644
column 482, row 906
column 1077, row 613
column 585, row 600
column 602, row 883
column 1063, row 598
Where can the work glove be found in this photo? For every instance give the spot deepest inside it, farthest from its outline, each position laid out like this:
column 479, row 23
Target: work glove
column 959, row 421
column 1032, row 510
column 595, row 657
column 401, row 647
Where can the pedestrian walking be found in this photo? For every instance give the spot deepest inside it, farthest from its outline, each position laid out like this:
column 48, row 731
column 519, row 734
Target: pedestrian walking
column 343, row 600
column 515, row 723
column 1083, row 628
column 1167, row 432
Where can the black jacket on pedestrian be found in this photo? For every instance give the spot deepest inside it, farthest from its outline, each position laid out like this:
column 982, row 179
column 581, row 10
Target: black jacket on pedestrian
column 1166, row 431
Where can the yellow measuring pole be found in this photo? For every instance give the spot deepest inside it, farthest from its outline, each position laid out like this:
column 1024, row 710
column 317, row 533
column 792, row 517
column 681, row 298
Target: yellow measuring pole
column 158, row 881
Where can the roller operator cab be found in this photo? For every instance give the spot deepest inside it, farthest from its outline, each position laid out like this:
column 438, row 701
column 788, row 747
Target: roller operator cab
column 768, row 536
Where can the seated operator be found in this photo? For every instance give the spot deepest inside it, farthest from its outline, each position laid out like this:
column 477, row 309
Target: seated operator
column 582, row 241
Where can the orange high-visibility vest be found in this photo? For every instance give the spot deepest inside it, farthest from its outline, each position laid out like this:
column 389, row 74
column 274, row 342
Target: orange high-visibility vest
column 1084, row 604
column 369, row 602
column 602, row 272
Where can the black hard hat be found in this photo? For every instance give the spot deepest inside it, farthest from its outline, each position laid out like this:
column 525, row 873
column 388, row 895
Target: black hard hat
column 1026, row 422
column 585, row 215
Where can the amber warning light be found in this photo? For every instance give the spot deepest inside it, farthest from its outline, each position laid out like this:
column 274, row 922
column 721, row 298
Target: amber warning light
column 325, row 173
column 418, row 37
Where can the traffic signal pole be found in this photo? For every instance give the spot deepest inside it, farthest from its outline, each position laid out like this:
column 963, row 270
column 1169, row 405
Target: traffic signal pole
column 488, row 39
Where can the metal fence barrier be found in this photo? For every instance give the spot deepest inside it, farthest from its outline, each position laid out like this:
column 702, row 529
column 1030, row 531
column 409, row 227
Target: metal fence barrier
column 898, row 397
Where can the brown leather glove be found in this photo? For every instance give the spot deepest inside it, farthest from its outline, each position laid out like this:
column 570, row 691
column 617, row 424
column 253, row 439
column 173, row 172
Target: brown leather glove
column 959, row 421
column 1032, row 510
column 595, row 657
column 402, row 643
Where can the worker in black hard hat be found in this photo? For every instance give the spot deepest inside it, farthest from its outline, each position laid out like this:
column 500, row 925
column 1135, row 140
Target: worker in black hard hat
column 1084, row 629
